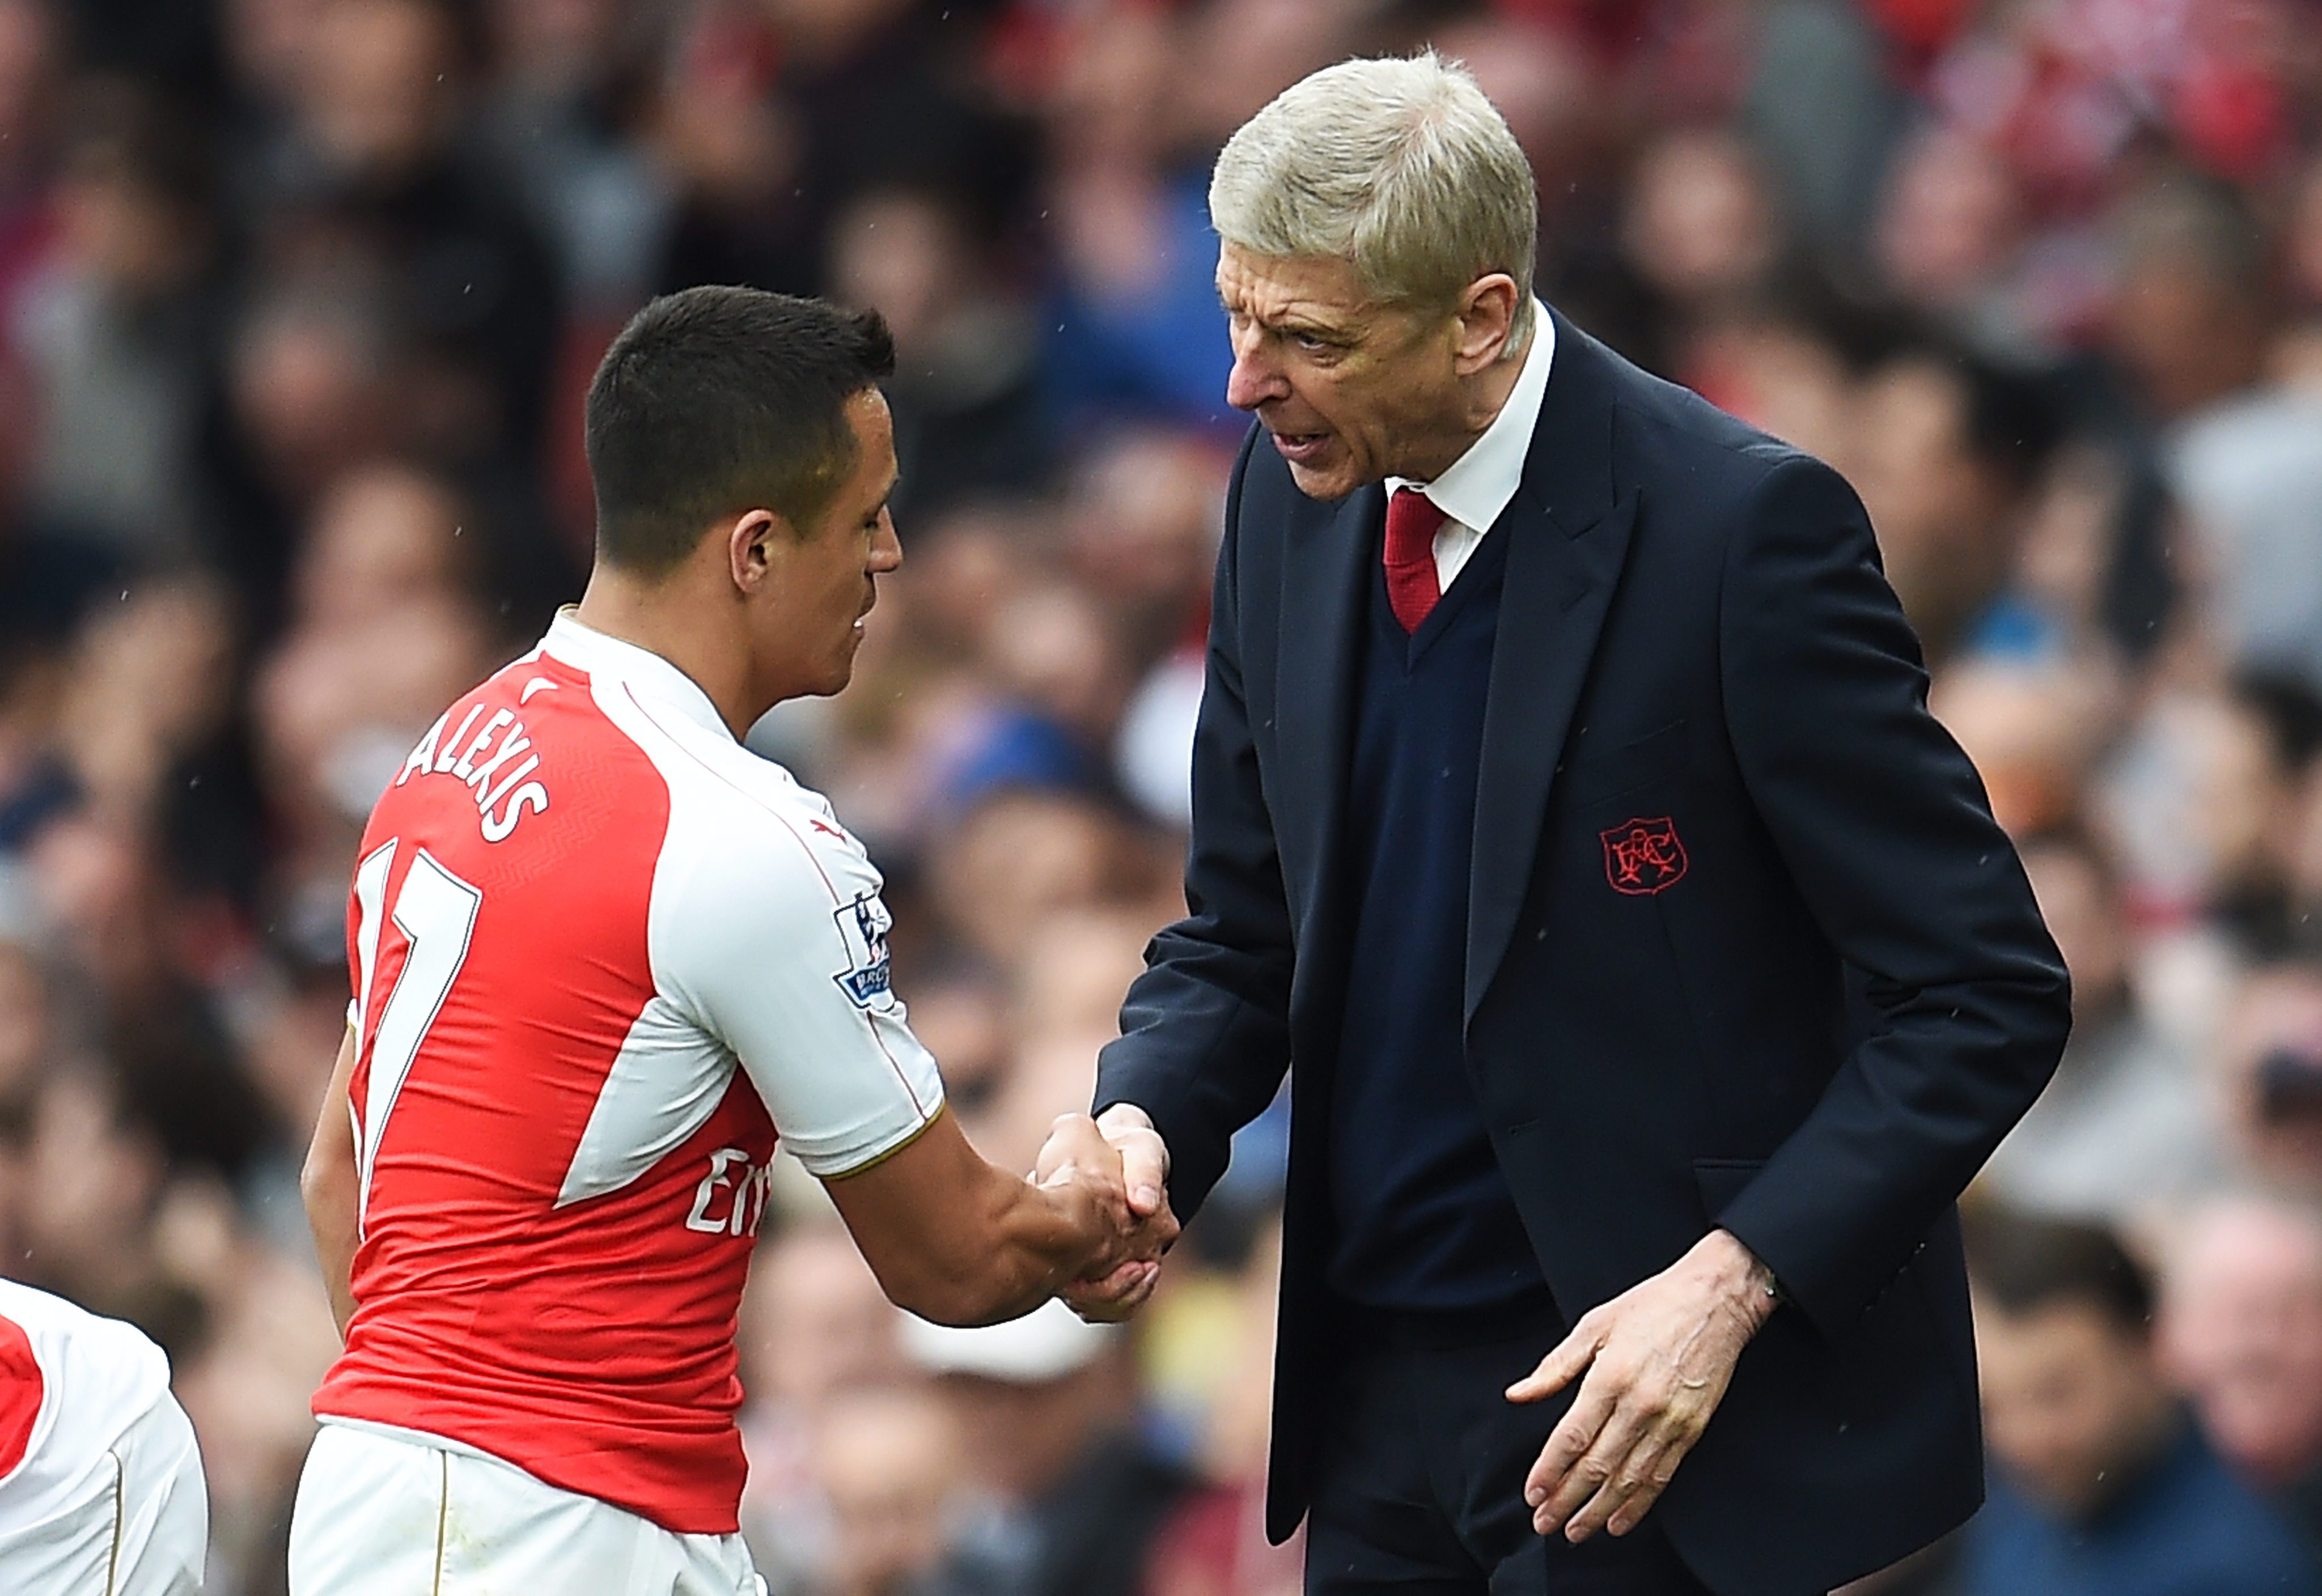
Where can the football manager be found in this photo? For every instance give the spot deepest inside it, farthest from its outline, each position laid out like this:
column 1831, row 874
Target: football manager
column 1569, row 823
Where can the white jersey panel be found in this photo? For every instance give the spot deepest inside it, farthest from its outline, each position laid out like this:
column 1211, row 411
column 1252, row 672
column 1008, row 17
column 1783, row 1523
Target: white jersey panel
column 768, row 932
column 666, row 1081
column 98, row 1377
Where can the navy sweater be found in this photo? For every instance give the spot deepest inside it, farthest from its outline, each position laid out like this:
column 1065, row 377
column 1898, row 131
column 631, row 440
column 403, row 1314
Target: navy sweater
column 1424, row 1219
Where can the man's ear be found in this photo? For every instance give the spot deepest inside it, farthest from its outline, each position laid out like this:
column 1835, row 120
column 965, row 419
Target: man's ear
column 751, row 548
column 1488, row 321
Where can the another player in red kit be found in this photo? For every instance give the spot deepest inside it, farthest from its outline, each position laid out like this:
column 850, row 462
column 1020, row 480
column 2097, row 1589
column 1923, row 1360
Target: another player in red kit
column 603, row 958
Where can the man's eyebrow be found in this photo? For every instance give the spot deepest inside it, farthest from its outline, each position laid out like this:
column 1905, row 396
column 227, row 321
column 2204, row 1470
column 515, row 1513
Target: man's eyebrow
column 1294, row 322
column 1299, row 325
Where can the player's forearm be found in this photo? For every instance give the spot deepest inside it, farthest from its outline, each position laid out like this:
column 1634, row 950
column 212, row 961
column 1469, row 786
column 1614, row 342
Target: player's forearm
column 955, row 1239
column 328, row 1185
column 331, row 1215
column 1034, row 1241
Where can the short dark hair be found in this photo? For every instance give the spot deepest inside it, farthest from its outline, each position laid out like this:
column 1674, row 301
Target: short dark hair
column 2010, row 420
column 2024, row 1263
column 2289, row 708
column 717, row 400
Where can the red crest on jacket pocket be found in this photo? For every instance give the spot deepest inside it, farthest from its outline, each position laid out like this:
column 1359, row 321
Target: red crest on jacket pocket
column 1643, row 857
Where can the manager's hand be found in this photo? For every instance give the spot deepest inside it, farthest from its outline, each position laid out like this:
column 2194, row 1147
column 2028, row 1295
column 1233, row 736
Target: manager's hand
column 1656, row 1359
column 1128, row 1131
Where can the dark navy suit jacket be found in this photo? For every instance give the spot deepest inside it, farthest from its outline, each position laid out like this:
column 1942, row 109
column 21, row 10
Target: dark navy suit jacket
column 1744, row 946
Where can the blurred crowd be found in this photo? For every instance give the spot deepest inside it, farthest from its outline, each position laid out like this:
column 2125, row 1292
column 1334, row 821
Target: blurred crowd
column 297, row 302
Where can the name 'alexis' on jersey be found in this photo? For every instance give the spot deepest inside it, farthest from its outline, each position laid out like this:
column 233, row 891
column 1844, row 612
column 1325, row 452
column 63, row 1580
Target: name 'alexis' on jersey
column 602, row 956
column 500, row 803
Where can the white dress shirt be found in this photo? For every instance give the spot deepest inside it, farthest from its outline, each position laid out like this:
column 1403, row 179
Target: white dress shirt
column 1476, row 487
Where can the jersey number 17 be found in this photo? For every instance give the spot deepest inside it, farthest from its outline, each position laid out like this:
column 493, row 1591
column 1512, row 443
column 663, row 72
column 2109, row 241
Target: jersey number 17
column 435, row 912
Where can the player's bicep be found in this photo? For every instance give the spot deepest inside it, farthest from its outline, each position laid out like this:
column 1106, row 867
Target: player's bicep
column 795, row 979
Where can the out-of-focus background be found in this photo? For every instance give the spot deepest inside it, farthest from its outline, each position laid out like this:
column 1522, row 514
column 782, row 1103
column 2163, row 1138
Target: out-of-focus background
column 297, row 302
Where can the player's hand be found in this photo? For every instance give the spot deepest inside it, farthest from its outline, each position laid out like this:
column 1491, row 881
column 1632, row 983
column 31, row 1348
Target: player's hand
column 1656, row 1359
column 1080, row 1168
column 1144, row 1165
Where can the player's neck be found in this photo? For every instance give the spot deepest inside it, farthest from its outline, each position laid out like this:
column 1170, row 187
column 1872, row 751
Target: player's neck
column 666, row 618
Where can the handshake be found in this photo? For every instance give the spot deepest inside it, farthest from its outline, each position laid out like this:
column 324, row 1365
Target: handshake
column 1114, row 1171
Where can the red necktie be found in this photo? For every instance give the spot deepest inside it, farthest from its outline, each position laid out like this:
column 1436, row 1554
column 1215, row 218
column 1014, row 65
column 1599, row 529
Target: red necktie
column 1412, row 523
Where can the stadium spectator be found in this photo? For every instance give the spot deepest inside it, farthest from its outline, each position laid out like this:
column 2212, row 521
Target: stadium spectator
column 2240, row 1327
column 119, row 330
column 1699, row 230
column 2037, row 728
column 889, row 1463
column 969, row 419
column 1949, row 235
column 2269, row 1074
column 2125, row 1132
column 2189, row 317
column 382, row 167
column 816, row 1329
column 1071, row 1498
column 558, row 118
column 2103, row 1483
column 1948, row 456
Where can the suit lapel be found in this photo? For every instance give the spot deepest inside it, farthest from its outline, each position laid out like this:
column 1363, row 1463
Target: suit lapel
column 1329, row 560
column 1568, row 535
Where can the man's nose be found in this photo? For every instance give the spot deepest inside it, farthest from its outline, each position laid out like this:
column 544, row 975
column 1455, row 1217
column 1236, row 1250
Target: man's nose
column 886, row 547
column 1253, row 380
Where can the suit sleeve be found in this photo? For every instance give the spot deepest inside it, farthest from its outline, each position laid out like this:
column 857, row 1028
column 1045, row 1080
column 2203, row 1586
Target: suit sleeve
column 1886, row 830
column 1205, row 1031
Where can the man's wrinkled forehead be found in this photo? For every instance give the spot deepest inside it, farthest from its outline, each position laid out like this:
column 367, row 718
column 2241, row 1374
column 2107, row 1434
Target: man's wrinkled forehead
column 1298, row 294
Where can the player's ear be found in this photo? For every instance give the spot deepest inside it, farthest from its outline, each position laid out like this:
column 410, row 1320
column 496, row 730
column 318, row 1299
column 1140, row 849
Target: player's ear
column 752, row 543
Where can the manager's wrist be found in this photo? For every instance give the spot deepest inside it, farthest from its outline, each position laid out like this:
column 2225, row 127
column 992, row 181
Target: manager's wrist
column 1125, row 1116
column 1748, row 1283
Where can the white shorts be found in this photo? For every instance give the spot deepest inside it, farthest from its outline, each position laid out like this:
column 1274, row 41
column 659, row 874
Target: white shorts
column 136, row 1523
column 390, row 1513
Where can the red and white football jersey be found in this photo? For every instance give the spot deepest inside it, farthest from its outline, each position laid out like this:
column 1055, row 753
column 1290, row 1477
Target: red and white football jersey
column 602, row 955
column 72, row 1384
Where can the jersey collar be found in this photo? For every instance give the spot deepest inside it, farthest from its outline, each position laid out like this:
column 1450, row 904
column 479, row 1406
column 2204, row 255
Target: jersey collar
column 605, row 658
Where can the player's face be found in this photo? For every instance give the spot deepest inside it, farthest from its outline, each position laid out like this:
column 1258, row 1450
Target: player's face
column 831, row 569
column 1350, row 389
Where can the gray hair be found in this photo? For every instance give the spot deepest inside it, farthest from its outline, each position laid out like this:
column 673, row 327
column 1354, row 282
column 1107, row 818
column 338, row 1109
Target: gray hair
column 1400, row 166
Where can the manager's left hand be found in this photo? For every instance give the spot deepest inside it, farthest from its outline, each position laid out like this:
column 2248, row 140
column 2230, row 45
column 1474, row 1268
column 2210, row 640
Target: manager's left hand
column 1657, row 1358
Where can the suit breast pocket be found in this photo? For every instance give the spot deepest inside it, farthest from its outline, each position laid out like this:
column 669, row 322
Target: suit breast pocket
column 1599, row 775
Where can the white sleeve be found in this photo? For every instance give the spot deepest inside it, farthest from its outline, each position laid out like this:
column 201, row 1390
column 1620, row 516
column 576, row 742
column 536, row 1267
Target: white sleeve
column 779, row 950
